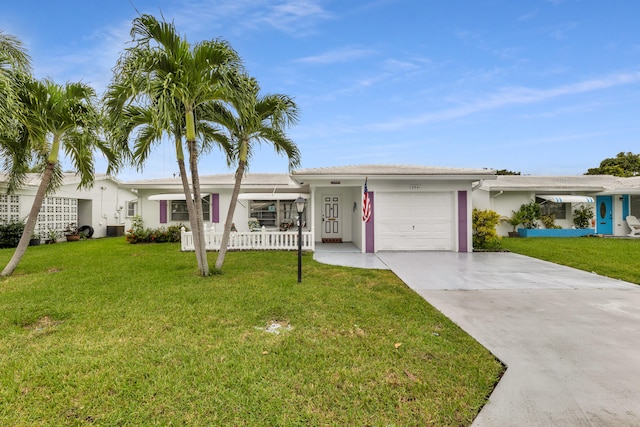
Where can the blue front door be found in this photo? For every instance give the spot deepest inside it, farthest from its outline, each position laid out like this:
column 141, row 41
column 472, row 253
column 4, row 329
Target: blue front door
column 604, row 215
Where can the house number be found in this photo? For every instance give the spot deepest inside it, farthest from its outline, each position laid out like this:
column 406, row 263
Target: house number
column 415, row 187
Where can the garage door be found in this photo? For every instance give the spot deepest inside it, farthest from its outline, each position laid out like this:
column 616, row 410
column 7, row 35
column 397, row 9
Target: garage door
column 414, row 221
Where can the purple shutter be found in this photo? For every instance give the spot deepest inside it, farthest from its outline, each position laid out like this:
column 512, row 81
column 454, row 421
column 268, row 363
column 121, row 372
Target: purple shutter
column 462, row 222
column 215, row 207
column 369, row 229
column 163, row 211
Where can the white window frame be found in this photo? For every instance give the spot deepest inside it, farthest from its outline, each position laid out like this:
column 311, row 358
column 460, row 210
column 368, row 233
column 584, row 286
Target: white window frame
column 178, row 211
column 132, row 208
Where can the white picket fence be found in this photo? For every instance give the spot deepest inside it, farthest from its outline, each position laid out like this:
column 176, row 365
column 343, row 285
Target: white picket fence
column 251, row 240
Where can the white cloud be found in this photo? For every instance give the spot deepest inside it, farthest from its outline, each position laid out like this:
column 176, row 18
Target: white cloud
column 514, row 96
column 293, row 17
column 346, row 54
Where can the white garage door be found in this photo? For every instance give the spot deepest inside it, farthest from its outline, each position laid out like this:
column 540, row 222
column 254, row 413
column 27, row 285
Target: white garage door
column 414, row 221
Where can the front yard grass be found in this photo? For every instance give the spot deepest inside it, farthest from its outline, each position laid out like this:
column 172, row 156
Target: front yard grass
column 102, row 332
column 612, row 257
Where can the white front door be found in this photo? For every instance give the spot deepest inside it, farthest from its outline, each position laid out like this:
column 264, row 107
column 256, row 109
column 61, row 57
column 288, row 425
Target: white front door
column 331, row 227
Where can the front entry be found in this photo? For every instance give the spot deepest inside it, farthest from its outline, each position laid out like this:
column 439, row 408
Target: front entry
column 331, row 227
column 604, row 215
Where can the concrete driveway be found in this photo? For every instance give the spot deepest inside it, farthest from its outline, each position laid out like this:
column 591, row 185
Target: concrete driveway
column 570, row 339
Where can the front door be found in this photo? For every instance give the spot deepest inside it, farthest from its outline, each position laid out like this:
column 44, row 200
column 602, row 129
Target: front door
column 604, row 215
column 331, row 227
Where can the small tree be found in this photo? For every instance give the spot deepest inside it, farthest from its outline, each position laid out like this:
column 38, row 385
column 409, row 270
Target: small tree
column 530, row 214
column 582, row 216
column 484, row 229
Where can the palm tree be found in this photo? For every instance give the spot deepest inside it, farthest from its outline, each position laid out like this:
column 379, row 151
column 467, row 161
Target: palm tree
column 56, row 119
column 14, row 63
column 256, row 119
column 175, row 80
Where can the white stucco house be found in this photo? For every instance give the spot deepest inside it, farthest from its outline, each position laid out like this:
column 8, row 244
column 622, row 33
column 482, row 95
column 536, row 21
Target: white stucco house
column 611, row 198
column 412, row 207
column 101, row 207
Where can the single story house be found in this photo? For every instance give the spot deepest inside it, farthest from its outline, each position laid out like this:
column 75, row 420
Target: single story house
column 611, row 198
column 101, row 207
column 412, row 207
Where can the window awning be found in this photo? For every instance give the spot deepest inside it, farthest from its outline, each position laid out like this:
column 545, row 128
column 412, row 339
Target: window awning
column 170, row 196
column 569, row 198
column 272, row 196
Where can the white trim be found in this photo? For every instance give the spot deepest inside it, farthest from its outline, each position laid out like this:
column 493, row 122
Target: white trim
column 272, row 196
column 171, row 196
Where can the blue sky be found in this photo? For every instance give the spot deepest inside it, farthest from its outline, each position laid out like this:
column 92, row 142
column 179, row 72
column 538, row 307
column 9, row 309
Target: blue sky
column 537, row 86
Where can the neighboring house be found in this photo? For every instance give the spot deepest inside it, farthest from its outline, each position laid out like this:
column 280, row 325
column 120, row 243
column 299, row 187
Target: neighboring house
column 268, row 198
column 413, row 207
column 612, row 198
column 101, row 207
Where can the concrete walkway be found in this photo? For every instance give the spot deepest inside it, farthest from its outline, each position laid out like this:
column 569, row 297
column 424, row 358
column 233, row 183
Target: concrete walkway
column 570, row 339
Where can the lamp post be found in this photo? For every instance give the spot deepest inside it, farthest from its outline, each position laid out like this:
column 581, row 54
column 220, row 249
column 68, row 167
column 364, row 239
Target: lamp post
column 300, row 202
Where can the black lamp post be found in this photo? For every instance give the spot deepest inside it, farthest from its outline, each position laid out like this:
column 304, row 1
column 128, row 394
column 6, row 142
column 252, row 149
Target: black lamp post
column 300, row 202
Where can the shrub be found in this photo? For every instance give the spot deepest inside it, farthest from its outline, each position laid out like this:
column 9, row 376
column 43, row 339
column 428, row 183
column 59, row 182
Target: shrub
column 484, row 229
column 139, row 234
column 549, row 221
column 10, row 233
column 582, row 216
column 530, row 214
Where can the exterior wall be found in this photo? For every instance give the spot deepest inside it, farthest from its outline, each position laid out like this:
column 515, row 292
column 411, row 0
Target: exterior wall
column 101, row 206
column 98, row 206
column 620, row 227
column 149, row 210
column 505, row 202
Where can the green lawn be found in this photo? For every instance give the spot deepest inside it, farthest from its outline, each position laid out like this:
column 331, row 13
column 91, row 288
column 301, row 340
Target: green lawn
column 612, row 257
column 101, row 332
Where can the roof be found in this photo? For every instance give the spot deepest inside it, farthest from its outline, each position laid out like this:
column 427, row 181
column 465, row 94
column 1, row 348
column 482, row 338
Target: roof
column 33, row 179
column 391, row 170
column 592, row 183
column 219, row 180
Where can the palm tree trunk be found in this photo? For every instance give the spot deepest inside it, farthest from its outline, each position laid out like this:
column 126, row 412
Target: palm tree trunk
column 191, row 211
column 189, row 200
column 229, row 221
column 31, row 221
column 197, row 202
column 200, row 246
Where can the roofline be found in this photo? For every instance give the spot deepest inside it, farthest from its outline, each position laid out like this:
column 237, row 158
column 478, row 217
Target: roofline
column 545, row 189
column 466, row 177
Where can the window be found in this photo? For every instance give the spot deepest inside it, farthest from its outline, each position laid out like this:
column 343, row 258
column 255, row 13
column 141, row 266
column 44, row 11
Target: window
column 180, row 213
column 634, row 205
column 559, row 210
column 132, row 208
column 280, row 214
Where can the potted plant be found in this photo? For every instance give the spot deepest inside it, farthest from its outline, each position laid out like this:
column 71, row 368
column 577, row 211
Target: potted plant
column 52, row 236
column 72, row 233
column 514, row 221
column 35, row 239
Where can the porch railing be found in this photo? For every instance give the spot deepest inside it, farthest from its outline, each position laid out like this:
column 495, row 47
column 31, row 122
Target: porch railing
column 250, row 240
